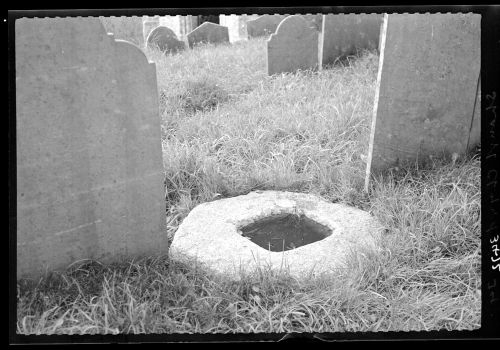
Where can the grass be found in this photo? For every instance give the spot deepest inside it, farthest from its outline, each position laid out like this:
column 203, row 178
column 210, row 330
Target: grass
column 228, row 129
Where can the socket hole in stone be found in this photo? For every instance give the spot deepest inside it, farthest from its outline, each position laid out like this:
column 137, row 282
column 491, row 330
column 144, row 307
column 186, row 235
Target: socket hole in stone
column 283, row 232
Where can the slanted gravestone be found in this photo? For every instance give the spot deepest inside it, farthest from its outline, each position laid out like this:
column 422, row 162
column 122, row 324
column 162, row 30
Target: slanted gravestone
column 208, row 33
column 90, row 178
column 427, row 84
column 263, row 25
column 294, row 46
column 165, row 40
column 345, row 34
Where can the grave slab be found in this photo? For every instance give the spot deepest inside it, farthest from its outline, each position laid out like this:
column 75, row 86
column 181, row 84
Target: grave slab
column 294, row 46
column 208, row 32
column 345, row 34
column 90, row 178
column 428, row 81
column 165, row 39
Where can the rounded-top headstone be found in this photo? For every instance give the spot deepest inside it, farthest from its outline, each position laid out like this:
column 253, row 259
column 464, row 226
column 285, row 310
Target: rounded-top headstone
column 294, row 46
column 165, row 39
column 293, row 26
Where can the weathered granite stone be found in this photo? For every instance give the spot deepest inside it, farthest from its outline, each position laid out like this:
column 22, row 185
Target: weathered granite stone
column 345, row 34
column 208, row 33
column 211, row 235
column 294, row 46
column 263, row 25
column 427, row 83
column 89, row 158
column 165, row 39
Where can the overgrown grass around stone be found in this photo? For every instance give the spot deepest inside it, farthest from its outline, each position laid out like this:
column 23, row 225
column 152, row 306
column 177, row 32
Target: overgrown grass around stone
column 228, row 129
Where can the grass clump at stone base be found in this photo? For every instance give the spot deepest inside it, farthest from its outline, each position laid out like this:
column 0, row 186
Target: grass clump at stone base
column 304, row 132
column 202, row 95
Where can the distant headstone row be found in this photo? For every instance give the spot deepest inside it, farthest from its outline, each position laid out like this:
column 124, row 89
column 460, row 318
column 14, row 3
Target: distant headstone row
column 170, row 34
column 174, row 33
column 166, row 41
column 342, row 35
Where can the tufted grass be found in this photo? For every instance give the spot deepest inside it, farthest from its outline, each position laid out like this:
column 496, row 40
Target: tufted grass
column 228, row 129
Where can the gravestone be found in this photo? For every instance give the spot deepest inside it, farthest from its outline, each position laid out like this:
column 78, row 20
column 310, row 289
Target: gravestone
column 208, row 32
column 165, row 39
column 263, row 25
column 90, row 179
column 426, row 89
column 125, row 28
column 345, row 34
column 294, row 46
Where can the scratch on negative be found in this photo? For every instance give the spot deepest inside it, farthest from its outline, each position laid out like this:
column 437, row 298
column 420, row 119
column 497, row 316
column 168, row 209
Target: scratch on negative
column 81, row 68
column 40, row 240
column 77, row 227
